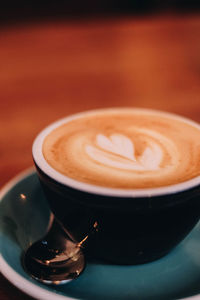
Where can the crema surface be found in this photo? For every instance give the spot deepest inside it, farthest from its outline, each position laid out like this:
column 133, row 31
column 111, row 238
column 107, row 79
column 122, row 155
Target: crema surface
column 125, row 148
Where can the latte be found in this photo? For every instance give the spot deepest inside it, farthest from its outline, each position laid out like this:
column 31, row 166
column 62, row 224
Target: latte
column 125, row 149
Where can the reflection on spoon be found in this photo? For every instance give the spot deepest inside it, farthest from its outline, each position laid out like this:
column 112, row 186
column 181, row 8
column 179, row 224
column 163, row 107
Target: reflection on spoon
column 55, row 259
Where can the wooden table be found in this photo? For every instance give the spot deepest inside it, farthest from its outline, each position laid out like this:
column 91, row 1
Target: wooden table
column 52, row 69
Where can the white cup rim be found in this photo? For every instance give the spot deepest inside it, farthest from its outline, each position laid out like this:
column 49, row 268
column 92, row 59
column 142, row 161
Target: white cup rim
column 104, row 191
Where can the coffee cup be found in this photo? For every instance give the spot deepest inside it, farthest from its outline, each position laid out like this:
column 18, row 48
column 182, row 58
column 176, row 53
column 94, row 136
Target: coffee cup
column 124, row 182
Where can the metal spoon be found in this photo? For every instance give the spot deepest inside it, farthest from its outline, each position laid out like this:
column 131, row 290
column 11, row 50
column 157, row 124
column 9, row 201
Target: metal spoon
column 54, row 259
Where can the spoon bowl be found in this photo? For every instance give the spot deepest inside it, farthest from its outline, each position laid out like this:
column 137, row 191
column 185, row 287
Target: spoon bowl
column 55, row 259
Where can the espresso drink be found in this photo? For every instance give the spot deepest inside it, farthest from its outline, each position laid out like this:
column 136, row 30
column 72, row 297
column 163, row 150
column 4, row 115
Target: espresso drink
column 125, row 149
column 123, row 182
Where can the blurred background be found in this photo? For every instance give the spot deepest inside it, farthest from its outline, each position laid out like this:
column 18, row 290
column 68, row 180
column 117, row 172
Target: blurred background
column 25, row 10
column 62, row 57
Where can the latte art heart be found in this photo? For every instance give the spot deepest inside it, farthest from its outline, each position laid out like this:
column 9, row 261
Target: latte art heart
column 126, row 149
column 118, row 151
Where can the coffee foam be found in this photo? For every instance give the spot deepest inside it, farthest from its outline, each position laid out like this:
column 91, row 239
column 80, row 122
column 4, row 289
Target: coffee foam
column 125, row 149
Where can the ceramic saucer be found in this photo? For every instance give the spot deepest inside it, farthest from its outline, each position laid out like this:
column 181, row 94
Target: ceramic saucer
column 24, row 218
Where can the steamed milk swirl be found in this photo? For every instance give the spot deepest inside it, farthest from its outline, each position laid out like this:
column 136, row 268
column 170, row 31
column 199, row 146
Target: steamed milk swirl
column 125, row 149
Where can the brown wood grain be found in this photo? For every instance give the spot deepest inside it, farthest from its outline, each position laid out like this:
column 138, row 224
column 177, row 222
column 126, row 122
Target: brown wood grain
column 51, row 69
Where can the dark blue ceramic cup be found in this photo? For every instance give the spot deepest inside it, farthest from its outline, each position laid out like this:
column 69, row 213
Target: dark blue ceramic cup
column 129, row 227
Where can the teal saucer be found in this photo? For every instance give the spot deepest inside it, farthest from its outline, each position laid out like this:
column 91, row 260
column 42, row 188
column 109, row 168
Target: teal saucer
column 24, row 218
